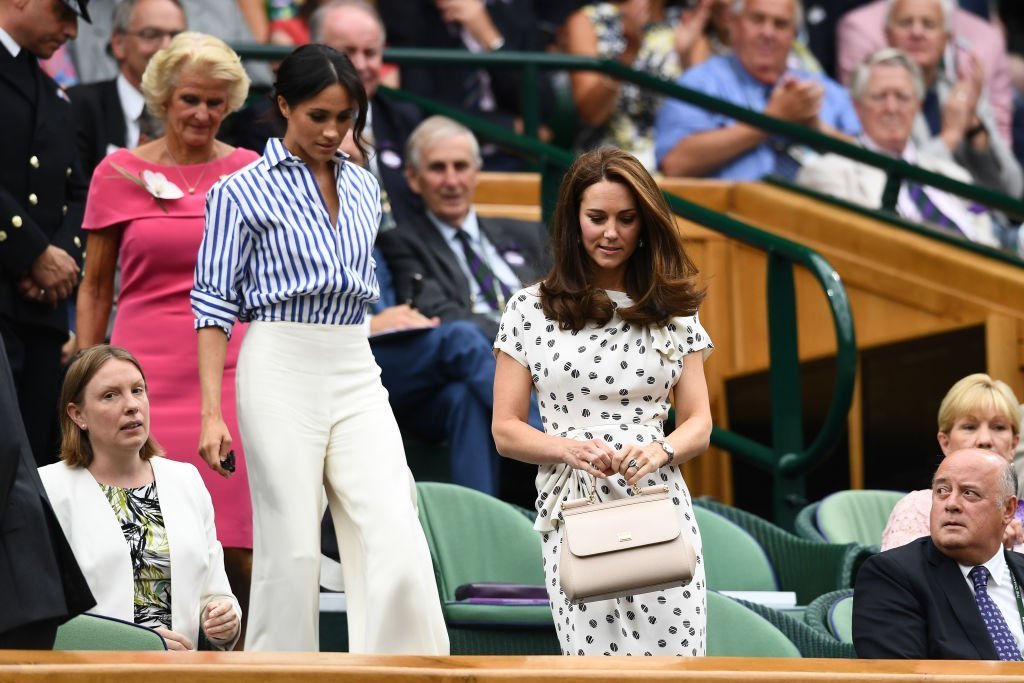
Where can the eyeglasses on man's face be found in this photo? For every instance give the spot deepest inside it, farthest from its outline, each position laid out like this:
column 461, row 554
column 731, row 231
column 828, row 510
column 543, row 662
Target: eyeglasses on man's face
column 153, row 35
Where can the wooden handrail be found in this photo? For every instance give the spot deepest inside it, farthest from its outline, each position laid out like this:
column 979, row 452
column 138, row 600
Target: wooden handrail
column 224, row 667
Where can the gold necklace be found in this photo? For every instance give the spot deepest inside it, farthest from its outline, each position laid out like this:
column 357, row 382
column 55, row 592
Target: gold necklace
column 191, row 188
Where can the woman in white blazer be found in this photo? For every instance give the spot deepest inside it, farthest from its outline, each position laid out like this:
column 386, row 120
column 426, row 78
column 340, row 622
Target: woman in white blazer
column 131, row 517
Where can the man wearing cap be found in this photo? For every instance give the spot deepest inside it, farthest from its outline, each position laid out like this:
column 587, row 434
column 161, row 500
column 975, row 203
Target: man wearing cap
column 42, row 194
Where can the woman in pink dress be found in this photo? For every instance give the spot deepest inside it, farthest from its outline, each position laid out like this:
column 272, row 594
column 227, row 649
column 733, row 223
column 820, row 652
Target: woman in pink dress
column 145, row 214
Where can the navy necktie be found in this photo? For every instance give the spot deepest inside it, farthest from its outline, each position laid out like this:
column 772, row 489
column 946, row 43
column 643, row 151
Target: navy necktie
column 1005, row 646
column 491, row 288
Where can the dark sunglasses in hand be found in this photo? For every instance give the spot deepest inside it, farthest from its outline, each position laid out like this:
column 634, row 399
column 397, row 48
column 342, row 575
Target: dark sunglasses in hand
column 228, row 463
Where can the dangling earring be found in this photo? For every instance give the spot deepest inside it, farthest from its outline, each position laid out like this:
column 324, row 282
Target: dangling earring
column 640, row 243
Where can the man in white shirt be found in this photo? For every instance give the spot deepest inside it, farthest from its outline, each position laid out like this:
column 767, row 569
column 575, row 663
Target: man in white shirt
column 956, row 593
column 111, row 114
column 887, row 90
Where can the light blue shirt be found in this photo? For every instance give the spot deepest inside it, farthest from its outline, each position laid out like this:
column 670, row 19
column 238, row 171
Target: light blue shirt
column 488, row 254
column 270, row 250
column 725, row 78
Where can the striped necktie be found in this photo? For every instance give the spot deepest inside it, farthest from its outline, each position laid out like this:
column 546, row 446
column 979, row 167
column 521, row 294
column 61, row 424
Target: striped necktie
column 1002, row 639
column 494, row 291
column 929, row 211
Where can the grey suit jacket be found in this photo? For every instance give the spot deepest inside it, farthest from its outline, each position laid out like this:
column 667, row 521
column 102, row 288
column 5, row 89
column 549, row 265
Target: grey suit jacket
column 912, row 602
column 995, row 168
column 417, row 247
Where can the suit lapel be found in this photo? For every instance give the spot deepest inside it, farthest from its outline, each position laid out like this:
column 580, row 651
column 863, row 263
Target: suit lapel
column 114, row 114
column 436, row 245
column 961, row 602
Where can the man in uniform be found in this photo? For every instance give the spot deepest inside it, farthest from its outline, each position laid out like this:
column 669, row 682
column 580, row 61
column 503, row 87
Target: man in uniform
column 42, row 193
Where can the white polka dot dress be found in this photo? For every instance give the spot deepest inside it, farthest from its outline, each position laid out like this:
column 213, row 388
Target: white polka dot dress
column 611, row 383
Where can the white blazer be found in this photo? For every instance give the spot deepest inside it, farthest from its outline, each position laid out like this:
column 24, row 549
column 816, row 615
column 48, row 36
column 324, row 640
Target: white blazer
column 197, row 559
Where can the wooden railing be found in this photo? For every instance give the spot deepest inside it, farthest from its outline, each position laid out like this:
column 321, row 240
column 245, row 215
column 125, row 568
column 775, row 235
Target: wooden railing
column 244, row 667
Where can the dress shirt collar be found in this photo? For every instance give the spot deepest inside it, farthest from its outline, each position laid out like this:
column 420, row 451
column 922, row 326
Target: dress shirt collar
column 9, row 42
column 276, row 153
column 471, row 226
column 132, row 101
column 908, row 154
column 998, row 570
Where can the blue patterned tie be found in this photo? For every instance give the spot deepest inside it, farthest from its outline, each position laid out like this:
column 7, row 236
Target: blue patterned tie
column 490, row 285
column 1006, row 647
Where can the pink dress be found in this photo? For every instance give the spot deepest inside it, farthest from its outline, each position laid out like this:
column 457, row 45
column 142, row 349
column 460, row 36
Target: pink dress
column 154, row 315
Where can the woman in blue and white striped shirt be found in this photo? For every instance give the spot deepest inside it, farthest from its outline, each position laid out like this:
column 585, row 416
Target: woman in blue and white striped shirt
column 288, row 246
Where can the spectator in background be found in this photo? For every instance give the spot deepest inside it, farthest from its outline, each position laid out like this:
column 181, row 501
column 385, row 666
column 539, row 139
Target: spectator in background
column 949, row 595
column 887, row 91
column 478, row 26
column 862, row 32
column 690, row 141
column 112, row 114
column 190, row 86
column 225, row 19
column 42, row 192
column 469, row 265
column 956, row 116
column 645, row 35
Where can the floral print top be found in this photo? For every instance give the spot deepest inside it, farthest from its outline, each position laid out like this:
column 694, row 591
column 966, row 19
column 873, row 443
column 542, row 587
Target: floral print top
column 138, row 512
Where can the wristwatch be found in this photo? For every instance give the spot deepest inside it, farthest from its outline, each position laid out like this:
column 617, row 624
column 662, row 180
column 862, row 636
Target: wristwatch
column 667, row 447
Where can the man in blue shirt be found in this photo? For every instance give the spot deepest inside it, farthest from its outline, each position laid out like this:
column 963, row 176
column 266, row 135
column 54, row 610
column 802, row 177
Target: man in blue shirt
column 690, row 141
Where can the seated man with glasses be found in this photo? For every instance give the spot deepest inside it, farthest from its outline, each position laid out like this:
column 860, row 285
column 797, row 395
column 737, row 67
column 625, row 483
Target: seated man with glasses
column 887, row 91
column 112, row 114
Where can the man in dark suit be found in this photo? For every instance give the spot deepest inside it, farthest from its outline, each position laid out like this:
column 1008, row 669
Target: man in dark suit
column 451, row 262
column 41, row 584
column 112, row 114
column 956, row 593
column 42, row 193
column 478, row 26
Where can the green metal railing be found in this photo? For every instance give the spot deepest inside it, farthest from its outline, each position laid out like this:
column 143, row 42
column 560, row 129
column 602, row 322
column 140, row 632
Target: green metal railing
column 786, row 458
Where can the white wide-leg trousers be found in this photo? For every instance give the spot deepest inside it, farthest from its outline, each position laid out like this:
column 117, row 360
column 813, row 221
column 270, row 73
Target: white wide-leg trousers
column 313, row 416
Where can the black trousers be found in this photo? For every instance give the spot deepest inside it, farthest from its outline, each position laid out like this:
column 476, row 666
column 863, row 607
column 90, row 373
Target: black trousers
column 34, row 355
column 39, row 635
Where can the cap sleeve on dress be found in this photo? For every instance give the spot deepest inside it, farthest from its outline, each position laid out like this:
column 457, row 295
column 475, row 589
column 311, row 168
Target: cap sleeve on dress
column 681, row 336
column 513, row 323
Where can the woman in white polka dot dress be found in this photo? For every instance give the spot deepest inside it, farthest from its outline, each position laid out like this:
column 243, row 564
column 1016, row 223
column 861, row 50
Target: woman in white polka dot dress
column 607, row 339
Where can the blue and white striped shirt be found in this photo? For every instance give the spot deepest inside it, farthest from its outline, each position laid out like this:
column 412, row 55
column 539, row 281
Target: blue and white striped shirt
column 270, row 250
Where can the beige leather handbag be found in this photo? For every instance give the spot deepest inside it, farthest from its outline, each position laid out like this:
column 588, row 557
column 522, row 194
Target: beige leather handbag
column 623, row 547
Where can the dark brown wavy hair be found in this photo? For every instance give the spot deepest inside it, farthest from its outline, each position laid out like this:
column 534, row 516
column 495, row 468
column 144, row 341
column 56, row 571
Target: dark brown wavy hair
column 660, row 277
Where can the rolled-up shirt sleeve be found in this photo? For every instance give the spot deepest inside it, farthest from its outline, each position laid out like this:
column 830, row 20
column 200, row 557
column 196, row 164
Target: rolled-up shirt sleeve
column 216, row 290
